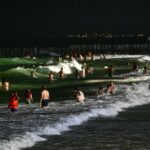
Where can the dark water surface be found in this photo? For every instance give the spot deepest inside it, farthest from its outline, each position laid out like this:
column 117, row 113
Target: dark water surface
column 128, row 131
column 110, row 122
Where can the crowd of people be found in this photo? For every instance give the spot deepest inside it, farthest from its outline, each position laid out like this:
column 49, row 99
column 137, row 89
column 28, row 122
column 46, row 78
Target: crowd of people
column 79, row 74
column 79, row 96
column 13, row 103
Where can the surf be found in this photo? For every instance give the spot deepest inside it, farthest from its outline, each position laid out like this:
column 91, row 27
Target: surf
column 60, row 117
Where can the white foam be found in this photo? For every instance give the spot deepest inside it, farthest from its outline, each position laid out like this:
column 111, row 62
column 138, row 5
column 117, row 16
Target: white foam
column 118, row 56
column 136, row 98
column 22, row 70
column 141, row 58
column 137, row 94
column 144, row 58
column 18, row 142
column 49, row 62
column 123, row 56
column 68, row 67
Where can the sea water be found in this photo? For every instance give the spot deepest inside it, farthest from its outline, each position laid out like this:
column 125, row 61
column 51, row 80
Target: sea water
column 68, row 125
column 119, row 121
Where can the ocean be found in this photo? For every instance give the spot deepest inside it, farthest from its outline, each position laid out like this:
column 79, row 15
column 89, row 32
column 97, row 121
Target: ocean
column 119, row 121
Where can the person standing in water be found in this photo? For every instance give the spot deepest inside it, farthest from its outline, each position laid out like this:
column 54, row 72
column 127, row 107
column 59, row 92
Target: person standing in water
column 13, row 102
column 82, row 72
column 77, row 75
column 110, row 71
column 61, row 73
column 45, row 97
column 50, row 76
column 135, row 67
column 79, row 95
column 28, row 96
column 145, row 71
column 6, row 85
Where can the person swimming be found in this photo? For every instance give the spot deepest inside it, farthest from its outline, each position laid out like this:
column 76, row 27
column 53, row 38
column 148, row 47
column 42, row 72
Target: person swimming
column 110, row 88
column 79, row 95
column 100, row 91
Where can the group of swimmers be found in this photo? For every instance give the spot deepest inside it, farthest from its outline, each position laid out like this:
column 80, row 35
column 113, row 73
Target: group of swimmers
column 51, row 75
column 78, row 73
column 110, row 89
column 45, row 96
column 14, row 99
column 135, row 68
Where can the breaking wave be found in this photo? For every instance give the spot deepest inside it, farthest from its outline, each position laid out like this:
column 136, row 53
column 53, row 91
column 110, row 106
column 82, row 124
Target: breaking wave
column 59, row 117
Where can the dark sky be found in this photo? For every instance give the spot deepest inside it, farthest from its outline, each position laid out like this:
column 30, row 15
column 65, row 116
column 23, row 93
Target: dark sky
column 31, row 18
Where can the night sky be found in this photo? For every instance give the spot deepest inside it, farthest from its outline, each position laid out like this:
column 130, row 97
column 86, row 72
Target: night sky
column 32, row 19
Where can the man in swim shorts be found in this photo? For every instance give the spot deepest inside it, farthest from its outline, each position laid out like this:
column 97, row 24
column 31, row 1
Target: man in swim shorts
column 44, row 97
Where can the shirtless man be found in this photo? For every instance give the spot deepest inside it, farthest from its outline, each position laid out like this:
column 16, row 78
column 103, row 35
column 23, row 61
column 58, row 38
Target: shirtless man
column 45, row 96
